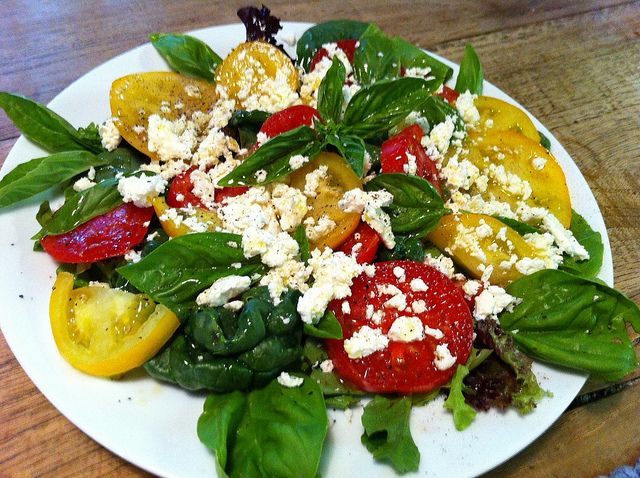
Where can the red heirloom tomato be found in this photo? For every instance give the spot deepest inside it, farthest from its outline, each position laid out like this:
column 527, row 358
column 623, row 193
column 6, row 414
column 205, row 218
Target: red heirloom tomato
column 288, row 119
column 230, row 192
column 449, row 94
column 369, row 241
column 180, row 192
column 393, row 155
column 403, row 367
column 347, row 46
column 109, row 235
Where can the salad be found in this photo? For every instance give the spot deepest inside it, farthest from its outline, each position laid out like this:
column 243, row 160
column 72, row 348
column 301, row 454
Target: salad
column 296, row 236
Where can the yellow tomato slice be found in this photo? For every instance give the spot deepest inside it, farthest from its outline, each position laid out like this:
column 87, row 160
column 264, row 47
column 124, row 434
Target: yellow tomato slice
column 498, row 115
column 255, row 68
column 135, row 97
column 529, row 161
column 340, row 179
column 179, row 227
column 471, row 247
column 107, row 332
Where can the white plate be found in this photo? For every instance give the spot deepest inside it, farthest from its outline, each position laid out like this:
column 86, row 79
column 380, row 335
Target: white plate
column 153, row 425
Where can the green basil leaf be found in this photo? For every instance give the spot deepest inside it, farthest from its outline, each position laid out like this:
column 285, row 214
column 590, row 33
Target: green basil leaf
column 592, row 242
column 544, row 141
column 121, row 161
column 248, row 124
column 44, row 213
column 411, row 56
column 82, row 207
column 406, row 248
column 40, row 174
column 273, row 157
column 90, row 135
column 300, row 236
column 330, row 92
column 417, row 207
column 463, row 414
column 327, row 328
column 351, row 148
column 521, row 228
column 178, row 270
column 376, row 108
column 574, row 322
column 312, row 40
column 470, row 77
column 375, row 58
column 43, row 127
column 436, row 110
column 274, row 431
column 187, row 55
column 387, row 435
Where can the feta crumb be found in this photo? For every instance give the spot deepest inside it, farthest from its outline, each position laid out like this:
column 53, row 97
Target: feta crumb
column 418, row 285
column 471, row 287
column 441, row 263
column 171, row 139
column 444, row 360
column 467, row 109
column 419, row 306
column 435, row 333
column 133, row 256
column 538, row 163
column 326, row 366
column 141, row 190
column 313, row 180
column 297, row 161
column 290, row 381
column 370, row 205
column 82, row 184
column 406, row 329
column 222, row 290
column 109, row 135
column 364, row 342
column 345, row 307
column 234, row 305
column 491, row 301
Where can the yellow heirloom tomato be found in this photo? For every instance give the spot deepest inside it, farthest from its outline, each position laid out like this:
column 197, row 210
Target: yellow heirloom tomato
column 339, row 179
column 135, row 97
column 498, row 115
column 256, row 73
column 107, row 332
column 179, row 227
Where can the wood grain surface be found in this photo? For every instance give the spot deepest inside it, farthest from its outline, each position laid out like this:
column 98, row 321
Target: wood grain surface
column 574, row 65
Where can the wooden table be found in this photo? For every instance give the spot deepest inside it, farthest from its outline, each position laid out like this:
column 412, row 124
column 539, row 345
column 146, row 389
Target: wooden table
column 575, row 65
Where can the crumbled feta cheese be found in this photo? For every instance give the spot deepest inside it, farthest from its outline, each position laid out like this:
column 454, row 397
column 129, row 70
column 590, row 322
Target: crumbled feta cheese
column 313, row 180
column 345, row 307
column 234, row 305
column 538, row 163
column 290, row 381
column 261, row 176
column 291, row 275
column 564, row 238
column 222, row 290
column 418, row 72
column 152, row 236
column 467, row 109
column 399, row 272
column 141, row 190
column 435, row 333
column 290, row 205
column 275, row 249
column 109, row 135
column 418, row 285
column 171, row 139
column 326, row 366
column 411, row 168
column 441, row 263
column 471, row 287
column 370, row 270
column 440, row 135
column 419, row 306
column 364, row 342
column 370, row 205
column 297, row 161
column 315, row 231
column 133, row 256
column 82, row 184
column 491, row 301
column 251, row 209
column 406, row 329
column 444, row 360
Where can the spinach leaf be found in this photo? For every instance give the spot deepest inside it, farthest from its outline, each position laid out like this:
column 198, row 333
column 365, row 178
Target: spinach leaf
column 411, row 56
column 312, row 40
column 40, row 174
column 82, row 207
column 417, row 207
column 327, row 328
column 387, row 435
column 375, row 58
column 300, row 236
column 330, row 92
column 187, row 55
column 406, row 248
column 592, row 242
column 177, row 271
column 574, row 322
column 43, row 127
column 273, row 157
column 470, row 76
column 463, row 414
column 544, row 141
column 248, row 432
column 376, row 108
column 521, row 228
column 351, row 148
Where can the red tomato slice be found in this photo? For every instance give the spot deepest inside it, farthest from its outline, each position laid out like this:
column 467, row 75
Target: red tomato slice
column 393, row 155
column 449, row 95
column 109, row 235
column 347, row 46
column 403, row 367
column 229, row 192
column 369, row 241
column 288, row 119
column 180, row 192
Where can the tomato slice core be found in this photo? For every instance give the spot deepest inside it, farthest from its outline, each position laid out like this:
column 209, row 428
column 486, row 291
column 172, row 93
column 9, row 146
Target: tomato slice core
column 108, row 235
column 403, row 367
